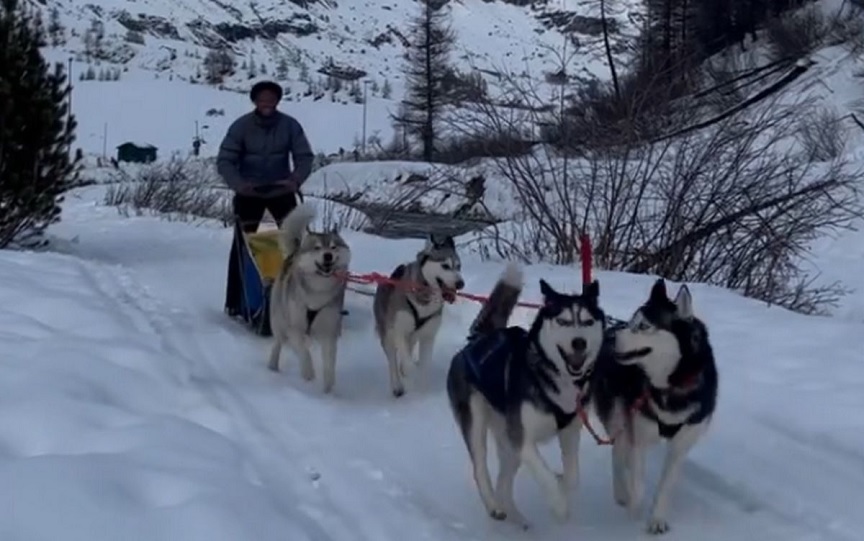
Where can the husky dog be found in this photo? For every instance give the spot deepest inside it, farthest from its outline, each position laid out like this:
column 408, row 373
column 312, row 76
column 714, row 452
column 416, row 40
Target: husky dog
column 307, row 298
column 527, row 387
column 408, row 316
column 661, row 384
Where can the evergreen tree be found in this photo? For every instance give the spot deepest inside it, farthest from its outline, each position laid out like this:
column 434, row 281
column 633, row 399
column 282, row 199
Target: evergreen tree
column 428, row 61
column 35, row 132
column 282, row 69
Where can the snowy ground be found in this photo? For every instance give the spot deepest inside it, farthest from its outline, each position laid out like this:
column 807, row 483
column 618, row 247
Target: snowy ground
column 129, row 404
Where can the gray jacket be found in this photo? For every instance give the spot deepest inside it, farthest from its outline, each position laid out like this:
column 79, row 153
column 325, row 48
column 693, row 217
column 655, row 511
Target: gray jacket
column 258, row 150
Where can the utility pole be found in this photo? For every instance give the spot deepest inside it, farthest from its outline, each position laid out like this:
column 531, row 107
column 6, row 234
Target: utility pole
column 105, row 142
column 365, row 99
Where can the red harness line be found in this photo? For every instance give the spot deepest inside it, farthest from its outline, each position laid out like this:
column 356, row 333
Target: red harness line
column 587, row 257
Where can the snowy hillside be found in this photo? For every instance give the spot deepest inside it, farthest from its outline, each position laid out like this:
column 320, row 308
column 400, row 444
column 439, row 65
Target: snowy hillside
column 293, row 40
column 130, row 404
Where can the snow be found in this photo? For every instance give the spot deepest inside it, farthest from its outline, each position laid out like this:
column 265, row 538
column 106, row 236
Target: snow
column 131, row 407
column 129, row 403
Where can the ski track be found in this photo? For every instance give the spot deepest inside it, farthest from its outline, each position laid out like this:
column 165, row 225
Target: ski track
column 311, row 495
column 328, row 495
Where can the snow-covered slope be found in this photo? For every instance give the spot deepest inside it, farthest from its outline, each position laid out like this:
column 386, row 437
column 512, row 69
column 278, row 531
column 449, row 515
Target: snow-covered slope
column 294, row 39
column 130, row 408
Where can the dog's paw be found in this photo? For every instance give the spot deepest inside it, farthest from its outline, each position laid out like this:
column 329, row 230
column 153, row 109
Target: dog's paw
column 273, row 367
column 398, row 392
column 515, row 517
column 307, row 373
column 498, row 514
column 619, row 493
column 657, row 526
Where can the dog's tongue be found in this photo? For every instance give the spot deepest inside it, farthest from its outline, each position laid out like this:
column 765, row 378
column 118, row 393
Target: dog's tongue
column 574, row 360
column 448, row 295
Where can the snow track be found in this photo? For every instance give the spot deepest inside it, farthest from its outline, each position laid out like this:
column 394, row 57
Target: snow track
column 331, row 497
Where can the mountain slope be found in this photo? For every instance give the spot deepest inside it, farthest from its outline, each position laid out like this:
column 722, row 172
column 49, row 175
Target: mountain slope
column 294, row 39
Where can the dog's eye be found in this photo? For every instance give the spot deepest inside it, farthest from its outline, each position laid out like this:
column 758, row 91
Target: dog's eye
column 564, row 322
column 587, row 322
column 446, row 267
column 642, row 326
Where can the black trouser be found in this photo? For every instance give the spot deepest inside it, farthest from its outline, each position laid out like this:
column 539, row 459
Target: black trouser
column 249, row 211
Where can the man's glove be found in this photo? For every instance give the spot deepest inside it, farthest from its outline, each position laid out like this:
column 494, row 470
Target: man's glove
column 289, row 185
column 248, row 188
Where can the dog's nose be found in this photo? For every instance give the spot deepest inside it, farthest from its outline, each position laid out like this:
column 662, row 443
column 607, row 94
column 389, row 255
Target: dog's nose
column 579, row 344
column 460, row 284
column 328, row 257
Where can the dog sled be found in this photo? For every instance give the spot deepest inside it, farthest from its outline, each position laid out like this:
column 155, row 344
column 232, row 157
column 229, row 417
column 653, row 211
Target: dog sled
column 259, row 258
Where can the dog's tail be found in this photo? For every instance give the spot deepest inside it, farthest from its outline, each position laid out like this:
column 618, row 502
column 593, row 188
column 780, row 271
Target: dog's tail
column 497, row 309
column 293, row 228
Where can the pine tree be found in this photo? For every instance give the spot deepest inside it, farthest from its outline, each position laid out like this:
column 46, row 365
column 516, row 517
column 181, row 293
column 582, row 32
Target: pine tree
column 428, row 61
column 282, row 69
column 55, row 28
column 36, row 132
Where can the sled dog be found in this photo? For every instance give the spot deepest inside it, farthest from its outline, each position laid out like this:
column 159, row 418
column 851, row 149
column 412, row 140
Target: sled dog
column 308, row 295
column 526, row 387
column 408, row 317
column 661, row 384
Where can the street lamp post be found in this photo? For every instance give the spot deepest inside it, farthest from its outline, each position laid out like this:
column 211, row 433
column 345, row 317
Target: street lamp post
column 365, row 99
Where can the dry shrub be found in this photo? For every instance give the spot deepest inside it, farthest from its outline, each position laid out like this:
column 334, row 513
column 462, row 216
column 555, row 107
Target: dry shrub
column 822, row 134
column 175, row 190
column 735, row 203
column 798, row 33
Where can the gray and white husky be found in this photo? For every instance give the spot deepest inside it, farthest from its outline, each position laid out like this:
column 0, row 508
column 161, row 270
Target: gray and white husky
column 409, row 317
column 308, row 295
column 527, row 387
column 661, row 384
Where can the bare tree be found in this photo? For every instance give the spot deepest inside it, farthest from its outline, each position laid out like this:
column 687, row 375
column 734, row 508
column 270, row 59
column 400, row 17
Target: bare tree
column 735, row 203
column 428, row 63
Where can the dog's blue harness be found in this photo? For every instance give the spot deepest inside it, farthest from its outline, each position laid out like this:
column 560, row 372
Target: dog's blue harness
column 487, row 360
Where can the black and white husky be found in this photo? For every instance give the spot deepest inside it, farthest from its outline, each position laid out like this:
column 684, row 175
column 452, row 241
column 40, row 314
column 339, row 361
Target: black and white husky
column 526, row 387
column 661, row 384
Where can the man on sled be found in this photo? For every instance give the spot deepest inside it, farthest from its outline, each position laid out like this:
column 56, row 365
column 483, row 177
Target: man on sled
column 255, row 161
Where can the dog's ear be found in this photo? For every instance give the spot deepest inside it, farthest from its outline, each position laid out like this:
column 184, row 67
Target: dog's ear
column 684, row 303
column 546, row 290
column 591, row 291
column 440, row 241
column 430, row 243
column 658, row 292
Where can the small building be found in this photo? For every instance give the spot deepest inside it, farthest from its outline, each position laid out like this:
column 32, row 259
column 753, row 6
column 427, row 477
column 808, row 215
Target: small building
column 136, row 152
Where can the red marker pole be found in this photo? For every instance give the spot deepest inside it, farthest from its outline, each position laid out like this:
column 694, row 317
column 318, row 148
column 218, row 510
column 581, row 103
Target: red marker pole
column 587, row 256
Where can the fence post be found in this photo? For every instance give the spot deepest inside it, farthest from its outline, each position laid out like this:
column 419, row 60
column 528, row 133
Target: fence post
column 587, row 257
